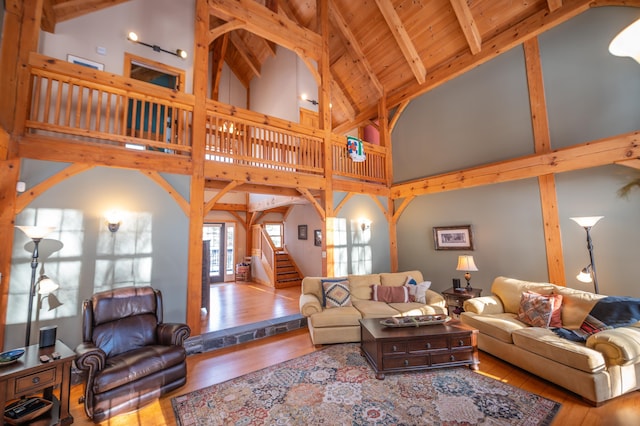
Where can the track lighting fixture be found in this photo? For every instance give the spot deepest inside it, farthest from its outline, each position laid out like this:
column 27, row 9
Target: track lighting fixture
column 133, row 37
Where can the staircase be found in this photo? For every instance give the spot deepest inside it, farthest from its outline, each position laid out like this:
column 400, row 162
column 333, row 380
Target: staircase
column 286, row 271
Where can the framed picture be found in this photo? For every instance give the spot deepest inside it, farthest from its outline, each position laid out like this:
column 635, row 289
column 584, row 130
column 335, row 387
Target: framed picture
column 453, row 237
column 317, row 237
column 85, row 62
column 302, row 232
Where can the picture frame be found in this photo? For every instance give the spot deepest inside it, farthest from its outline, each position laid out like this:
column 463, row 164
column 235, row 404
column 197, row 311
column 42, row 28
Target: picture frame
column 85, row 62
column 453, row 237
column 302, row 232
column 317, row 237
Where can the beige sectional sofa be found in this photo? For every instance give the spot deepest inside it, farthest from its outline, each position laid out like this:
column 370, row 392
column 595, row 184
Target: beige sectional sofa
column 340, row 324
column 605, row 366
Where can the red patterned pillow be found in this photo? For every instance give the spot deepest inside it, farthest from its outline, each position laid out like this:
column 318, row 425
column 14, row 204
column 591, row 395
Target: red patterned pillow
column 540, row 310
column 399, row 294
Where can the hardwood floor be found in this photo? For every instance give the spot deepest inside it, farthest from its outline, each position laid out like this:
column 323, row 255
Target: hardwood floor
column 217, row 366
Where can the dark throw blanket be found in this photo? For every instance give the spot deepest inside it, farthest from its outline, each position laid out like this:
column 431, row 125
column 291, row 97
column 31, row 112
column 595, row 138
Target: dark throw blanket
column 609, row 312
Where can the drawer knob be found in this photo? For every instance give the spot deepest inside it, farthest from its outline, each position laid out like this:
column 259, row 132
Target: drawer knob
column 452, row 358
column 406, row 362
column 428, row 345
column 36, row 380
column 395, row 348
column 461, row 342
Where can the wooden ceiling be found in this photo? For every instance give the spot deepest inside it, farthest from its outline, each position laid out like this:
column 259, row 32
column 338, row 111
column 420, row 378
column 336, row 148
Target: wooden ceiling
column 396, row 49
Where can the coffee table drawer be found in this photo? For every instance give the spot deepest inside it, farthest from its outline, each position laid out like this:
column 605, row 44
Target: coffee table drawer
column 37, row 380
column 429, row 344
column 451, row 357
column 394, row 348
column 410, row 361
column 461, row 341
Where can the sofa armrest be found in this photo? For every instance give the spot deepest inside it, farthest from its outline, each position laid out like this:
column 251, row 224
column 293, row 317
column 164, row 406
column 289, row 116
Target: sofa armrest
column 309, row 305
column 483, row 305
column 90, row 357
column 172, row 334
column 619, row 346
column 434, row 299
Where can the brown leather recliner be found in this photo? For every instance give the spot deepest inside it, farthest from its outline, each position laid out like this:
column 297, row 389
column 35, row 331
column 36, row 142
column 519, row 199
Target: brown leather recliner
column 131, row 356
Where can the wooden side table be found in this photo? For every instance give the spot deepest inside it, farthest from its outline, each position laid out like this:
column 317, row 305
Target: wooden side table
column 28, row 376
column 455, row 299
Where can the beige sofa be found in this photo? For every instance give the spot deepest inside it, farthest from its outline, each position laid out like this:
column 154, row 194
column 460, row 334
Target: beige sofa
column 340, row 324
column 605, row 366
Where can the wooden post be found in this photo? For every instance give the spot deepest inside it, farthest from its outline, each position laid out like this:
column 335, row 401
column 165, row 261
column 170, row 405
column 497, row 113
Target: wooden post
column 325, row 125
column 385, row 141
column 547, row 183
column 196, row 217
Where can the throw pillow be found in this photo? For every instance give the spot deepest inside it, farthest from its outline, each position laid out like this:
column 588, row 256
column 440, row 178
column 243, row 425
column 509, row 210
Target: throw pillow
column 388, row 294
column 336, row 294
column 421, row 289
column 410, row 281
column 537, row 310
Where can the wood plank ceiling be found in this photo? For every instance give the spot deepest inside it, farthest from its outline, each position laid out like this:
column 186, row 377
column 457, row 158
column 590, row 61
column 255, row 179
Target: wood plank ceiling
column 394, row 48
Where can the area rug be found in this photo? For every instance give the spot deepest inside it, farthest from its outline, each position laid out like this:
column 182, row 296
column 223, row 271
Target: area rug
column 336, row 386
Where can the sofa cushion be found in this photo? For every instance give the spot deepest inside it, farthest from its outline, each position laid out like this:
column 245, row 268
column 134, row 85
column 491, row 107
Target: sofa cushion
column 395, row 279
column 371, row 309
column 499, row 326
column 576, row 305
column 540, row 310
column 390, row 294
column 415, row 309
column 509, row 291
column 336, row 317
column 360, row 286
column 336, row 294
column 547, row 344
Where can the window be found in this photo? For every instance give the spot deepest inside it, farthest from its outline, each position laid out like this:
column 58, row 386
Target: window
column 275, row 232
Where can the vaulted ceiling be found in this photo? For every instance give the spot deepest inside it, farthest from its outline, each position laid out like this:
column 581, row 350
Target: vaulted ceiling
column 392, row 49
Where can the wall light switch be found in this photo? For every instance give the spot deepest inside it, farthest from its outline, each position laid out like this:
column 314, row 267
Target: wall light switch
column 101, row 50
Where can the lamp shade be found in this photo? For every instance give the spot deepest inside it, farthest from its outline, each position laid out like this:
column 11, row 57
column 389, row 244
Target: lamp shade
column 36, row 232
column 47, row 285
column 585, row 275
column 466, row 263
column 627, row 42
column 586, row 221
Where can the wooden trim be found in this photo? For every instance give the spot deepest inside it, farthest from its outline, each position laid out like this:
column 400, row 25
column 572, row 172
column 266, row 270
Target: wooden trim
column 162, row 182
column 130, row 58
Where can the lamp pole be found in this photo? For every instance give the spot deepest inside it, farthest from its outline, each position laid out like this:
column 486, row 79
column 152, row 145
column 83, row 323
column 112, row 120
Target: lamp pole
column 32, row 289
column 591, row 259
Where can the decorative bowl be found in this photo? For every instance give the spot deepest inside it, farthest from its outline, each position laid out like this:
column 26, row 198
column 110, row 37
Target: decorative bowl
column 415, row 321
column 10, row 356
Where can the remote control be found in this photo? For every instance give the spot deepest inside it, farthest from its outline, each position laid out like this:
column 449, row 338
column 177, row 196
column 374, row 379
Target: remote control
column 55, row 355
column 44, row 358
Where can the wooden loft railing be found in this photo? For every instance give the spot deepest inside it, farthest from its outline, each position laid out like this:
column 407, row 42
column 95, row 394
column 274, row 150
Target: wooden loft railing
column 84, row 105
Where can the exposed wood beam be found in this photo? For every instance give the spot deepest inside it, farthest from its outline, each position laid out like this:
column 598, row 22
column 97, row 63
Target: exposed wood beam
column 24, row 199
column 225, row 28
column 245, row 53
column 70, row 9
column 341, row 100
column 162, row 182
column 591, row 154
column 403, row 205
column 212, row 202
column 274, row 202
column 48, row 21
column 353, row 44
column 219, row 52
column 360, row 187
column 250, row 174
column 254, row 188
column 468, row 25
column 342, row 202
column 554, row 4
column 239, row 218
column 275, row 27
column 402, row 38
column 396, row 115
column 305, row 192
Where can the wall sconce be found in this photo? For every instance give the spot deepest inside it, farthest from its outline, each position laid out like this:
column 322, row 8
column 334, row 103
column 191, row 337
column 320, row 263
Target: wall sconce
column 113, row 219
column 305, row 98
column 587, row 223
column 364, row 224
column 626, row 42
column 466, row 264
column 133, row 37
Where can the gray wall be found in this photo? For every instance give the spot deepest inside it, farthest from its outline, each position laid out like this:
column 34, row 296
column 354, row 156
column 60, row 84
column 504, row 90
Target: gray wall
column 149, row 249
column 483, row 117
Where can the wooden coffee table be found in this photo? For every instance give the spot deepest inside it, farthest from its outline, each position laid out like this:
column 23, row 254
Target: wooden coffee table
column 399, row 349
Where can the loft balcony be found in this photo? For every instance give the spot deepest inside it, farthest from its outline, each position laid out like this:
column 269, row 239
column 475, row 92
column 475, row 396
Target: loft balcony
column 79, row 114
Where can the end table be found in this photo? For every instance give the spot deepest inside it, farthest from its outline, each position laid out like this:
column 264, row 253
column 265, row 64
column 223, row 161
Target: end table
column 28, row 376
column 455, row 299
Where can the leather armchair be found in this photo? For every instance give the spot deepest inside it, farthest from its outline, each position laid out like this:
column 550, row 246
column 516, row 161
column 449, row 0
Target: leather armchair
column 131, row 357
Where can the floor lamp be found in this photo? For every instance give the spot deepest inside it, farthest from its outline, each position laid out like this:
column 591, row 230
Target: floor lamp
column 36, row 233
column 587, row 223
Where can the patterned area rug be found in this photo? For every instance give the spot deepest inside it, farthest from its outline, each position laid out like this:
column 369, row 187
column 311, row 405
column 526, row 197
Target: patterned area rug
column 336, row 386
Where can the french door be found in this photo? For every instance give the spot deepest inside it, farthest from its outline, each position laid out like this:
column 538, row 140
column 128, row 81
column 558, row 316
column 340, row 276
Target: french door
column 222, row 247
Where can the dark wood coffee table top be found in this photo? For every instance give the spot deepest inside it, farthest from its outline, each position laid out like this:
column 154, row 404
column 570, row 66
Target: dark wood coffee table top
column 379, row 331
